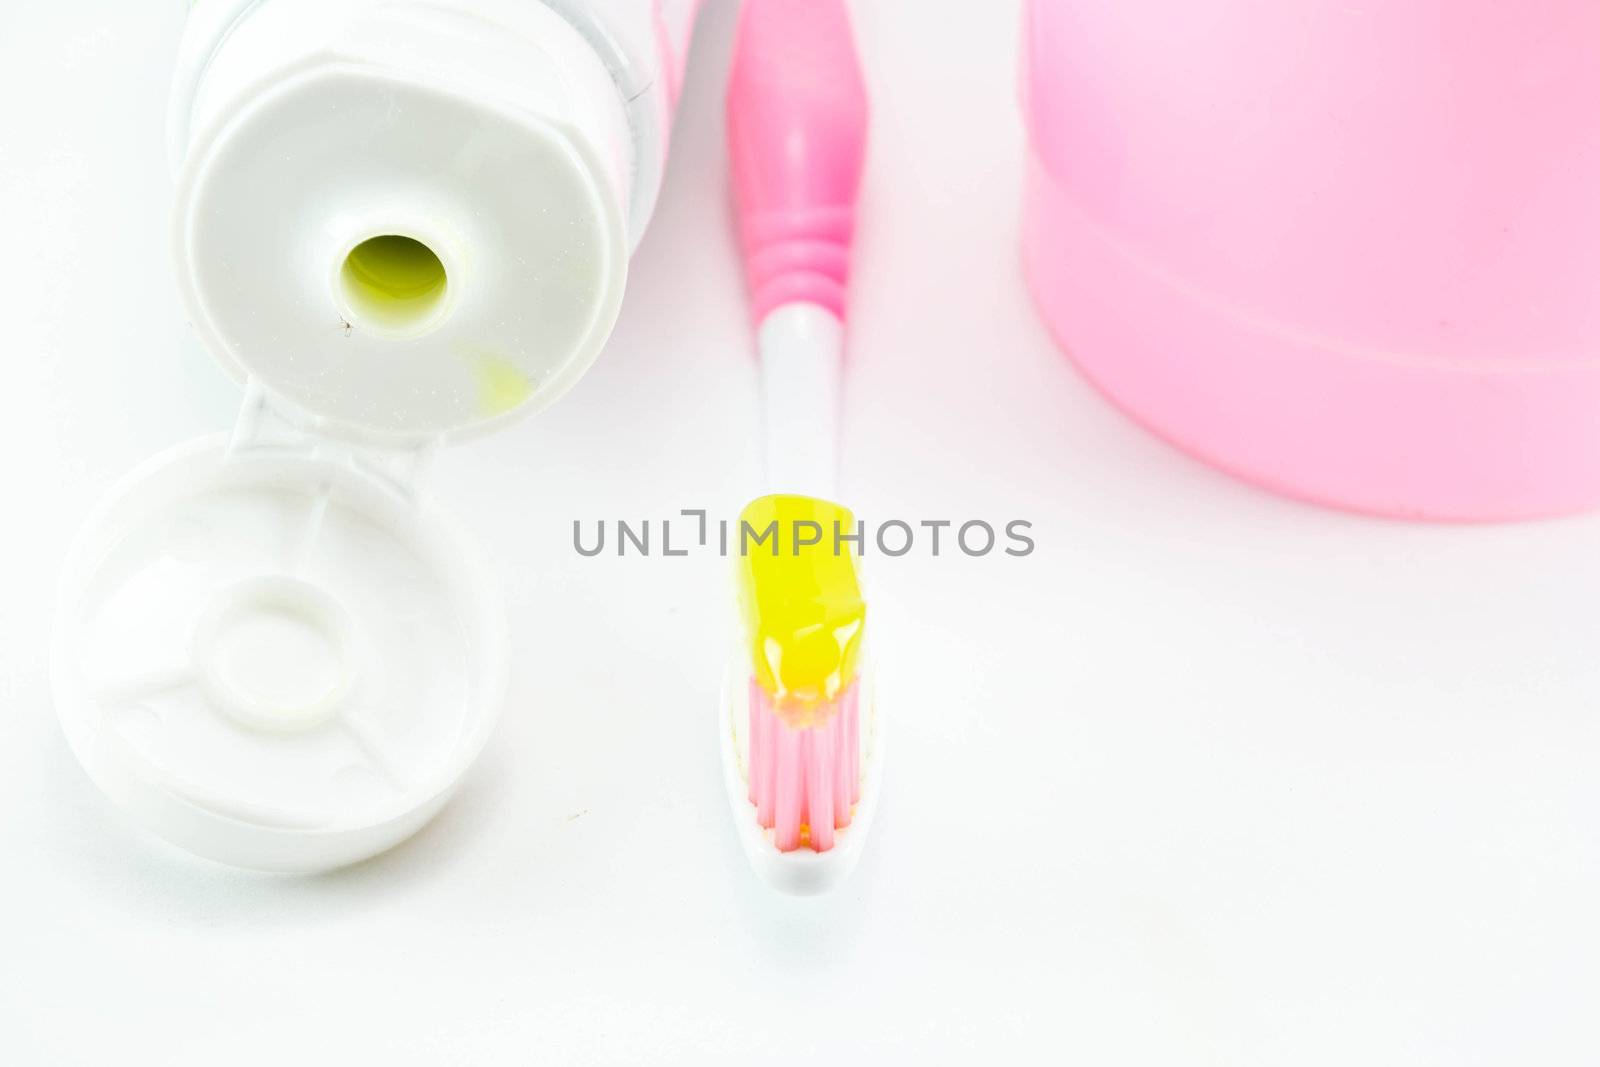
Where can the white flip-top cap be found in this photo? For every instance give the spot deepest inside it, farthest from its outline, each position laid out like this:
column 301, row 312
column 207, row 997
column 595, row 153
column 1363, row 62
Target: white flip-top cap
column 400, row 223
column 273, row 657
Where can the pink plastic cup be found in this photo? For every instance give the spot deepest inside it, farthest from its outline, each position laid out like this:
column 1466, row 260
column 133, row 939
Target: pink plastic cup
column 1347, row 250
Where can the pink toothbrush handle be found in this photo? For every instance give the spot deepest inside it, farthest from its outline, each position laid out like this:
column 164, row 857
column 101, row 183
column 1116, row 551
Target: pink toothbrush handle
column 797, row 138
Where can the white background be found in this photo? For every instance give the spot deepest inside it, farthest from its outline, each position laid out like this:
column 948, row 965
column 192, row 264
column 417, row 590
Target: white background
column 1212, row 778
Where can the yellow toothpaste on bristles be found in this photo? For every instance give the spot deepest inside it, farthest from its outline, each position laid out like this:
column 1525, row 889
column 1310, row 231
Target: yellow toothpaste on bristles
column 800, row 599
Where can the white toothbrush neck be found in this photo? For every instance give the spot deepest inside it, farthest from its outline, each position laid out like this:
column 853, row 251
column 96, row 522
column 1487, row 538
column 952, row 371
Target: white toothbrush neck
column 802, row 363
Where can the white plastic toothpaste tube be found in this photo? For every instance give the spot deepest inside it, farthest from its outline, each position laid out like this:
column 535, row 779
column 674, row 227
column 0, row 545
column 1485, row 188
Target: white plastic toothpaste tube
column 392, row 182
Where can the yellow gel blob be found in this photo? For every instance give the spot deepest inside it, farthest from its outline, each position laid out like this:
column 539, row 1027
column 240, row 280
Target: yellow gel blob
column 501, row 385
column 394, row 283
column 801, row 602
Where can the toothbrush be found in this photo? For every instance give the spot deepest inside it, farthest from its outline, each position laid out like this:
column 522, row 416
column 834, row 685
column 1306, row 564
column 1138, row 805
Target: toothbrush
column 801, row 737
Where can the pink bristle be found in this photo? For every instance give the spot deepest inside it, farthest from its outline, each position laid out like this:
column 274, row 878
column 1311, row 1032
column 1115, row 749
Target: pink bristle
column 846, row 741
column 807, row 739
column 766, row 763
column 791, row 789
column 819, row 782
column 757, row 718
column 852, row 713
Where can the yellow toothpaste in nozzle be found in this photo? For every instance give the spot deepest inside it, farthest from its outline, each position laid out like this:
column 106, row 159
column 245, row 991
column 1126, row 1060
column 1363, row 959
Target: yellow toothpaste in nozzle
column 800, row 598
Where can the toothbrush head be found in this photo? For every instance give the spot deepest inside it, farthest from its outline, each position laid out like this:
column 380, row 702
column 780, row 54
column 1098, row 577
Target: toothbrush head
column 804, row 620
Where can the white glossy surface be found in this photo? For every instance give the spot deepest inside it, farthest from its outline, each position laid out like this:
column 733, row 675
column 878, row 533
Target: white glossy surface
column 1212, row 778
